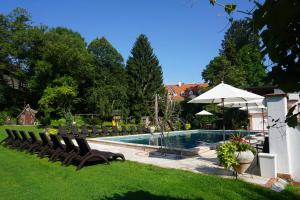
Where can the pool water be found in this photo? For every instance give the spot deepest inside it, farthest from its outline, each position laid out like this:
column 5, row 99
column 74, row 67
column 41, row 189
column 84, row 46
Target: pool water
column 179, row 139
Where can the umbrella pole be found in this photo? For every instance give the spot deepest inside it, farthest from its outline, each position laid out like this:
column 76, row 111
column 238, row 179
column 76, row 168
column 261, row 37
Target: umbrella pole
column 247, row 117
column 263, row 117
column 223, row 106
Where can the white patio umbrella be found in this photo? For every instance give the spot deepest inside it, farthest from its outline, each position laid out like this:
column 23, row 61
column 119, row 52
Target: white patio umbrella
column 239, row 104
column 225, row 93
column 204, row 112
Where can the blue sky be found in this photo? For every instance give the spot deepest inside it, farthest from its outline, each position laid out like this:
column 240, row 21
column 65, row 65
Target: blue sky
column 185, row 34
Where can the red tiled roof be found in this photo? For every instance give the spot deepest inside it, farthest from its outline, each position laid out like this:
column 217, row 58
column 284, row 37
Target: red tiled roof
column 182, row 92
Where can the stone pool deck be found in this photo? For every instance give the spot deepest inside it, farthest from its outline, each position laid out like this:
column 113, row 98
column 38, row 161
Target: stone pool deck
column 205, row 162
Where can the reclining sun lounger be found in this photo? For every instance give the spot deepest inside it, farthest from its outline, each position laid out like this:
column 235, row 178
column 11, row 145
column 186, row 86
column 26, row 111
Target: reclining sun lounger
column 86, row 154
column 17, row 139
column 9, row 139
column 84, row 131
column 132, row 130
column 104, row 131
column 95, row 132
column 57, row 148
column 124, row 130
column 62, row 130
column 26, row 143
column 46, row 145
column 35, row 143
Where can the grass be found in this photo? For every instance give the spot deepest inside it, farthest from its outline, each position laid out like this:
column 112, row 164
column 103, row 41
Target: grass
column 25, row 176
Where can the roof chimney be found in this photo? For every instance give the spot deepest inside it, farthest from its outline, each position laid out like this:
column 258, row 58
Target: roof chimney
column 179, row 83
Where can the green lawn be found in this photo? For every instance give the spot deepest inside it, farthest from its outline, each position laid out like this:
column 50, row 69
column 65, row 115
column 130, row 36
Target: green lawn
column 24, row 176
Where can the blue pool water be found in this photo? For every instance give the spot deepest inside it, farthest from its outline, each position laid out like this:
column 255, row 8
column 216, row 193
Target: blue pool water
column 179, row 139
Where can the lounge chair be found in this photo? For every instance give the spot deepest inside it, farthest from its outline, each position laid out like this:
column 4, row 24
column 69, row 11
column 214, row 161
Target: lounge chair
column 75, row 131
column 35, row 143
column 70, row 148
column 140, row 130
column 132, row 130
column 46, row 146
column 17, row 139
column 26, row 143
column 58, row 149
column 62, row 130
column 95, row 132
column 9, row 139
column 84, row 131
column 115, row 130
column 86, row 154
column 104, row 131
column 124, row 130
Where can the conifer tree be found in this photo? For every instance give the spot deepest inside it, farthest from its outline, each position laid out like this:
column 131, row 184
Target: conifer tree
column 145, row 77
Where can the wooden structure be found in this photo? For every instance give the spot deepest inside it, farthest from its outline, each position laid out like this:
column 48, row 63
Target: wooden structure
column 27, row 116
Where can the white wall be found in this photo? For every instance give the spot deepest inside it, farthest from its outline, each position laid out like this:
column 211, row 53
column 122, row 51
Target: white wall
column 278, row 136
column 294, row 135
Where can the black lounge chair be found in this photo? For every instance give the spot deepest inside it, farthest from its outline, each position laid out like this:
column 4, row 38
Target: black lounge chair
column 26, row 143
column 70, row 148
column 140, row 130
column 46, row 146
column 58, row 149
column 62, row 130
column 95, row 132
column 124, row 130
column 17, row 139
column 84, row 131
column 35, row 143
column 75, row 131
column 115, row 130
column 9, row 139
column 86, row 154
column 104, row 131
column 132, row 130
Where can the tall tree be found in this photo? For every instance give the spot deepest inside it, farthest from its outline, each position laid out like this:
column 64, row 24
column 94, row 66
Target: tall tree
column 220, row 69
column 145, row 77
column 62, row 53
column 240, row 62
column 109, row 89
column 14, row 48
column 239, row 34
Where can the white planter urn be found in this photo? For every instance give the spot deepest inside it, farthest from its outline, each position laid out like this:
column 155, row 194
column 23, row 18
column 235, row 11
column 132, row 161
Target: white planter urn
column 151, row 129
column 245, row 159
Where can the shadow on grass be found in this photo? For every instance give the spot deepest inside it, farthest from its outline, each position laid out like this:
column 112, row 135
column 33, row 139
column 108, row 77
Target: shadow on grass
column 135, row 195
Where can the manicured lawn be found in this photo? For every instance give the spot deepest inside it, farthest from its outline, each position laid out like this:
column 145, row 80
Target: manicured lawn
column 24, row 176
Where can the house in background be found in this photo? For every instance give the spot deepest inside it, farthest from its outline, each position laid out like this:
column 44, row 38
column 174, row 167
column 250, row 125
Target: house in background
column 183, row 91
column 27, row 116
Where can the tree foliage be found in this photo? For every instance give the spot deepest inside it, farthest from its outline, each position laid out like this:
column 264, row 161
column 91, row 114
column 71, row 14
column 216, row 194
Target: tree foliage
column 54, row 70
column 109, row 89
column 277, row 24
column 144, row 76
column 240, row 62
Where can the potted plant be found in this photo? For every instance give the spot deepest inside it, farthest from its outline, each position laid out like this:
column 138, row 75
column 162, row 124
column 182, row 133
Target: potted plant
column 237, row 154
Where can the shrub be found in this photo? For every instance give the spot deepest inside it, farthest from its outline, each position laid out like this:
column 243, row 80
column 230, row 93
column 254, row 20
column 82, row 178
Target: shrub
column 58, row 122
column 187, row 126
column 3, row 116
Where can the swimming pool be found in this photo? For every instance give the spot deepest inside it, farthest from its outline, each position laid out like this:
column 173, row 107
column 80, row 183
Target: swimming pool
column 179, row 139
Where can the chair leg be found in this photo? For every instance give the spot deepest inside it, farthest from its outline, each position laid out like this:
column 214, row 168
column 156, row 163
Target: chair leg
column 4, row 140
column 119, row 155
column 89, row 157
